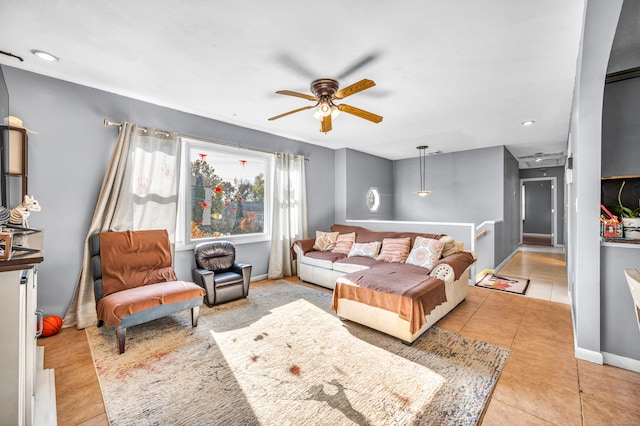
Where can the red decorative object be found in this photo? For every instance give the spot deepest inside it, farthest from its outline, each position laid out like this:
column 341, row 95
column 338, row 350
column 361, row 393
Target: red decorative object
column 204, row 204
column 202, row 156
column 218, row 190
column 51, row 325
column 243, row 162
column 201, row 222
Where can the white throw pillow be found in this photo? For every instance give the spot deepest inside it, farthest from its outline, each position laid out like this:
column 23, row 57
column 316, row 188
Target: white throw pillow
column 365, row 249
column 425, row 252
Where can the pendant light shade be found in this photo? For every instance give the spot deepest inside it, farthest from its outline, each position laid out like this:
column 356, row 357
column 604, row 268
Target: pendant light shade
column 423, row 154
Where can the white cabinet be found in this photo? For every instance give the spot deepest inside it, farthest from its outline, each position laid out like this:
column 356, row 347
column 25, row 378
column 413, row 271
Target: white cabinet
column 18, row 334
column 18, row 345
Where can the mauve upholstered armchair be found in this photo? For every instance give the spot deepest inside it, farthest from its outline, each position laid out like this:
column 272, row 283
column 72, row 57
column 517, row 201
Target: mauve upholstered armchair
column 134, row 282
column 219, row 274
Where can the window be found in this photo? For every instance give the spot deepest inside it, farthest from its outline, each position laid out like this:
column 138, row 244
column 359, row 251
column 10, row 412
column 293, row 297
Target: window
column 226, row 192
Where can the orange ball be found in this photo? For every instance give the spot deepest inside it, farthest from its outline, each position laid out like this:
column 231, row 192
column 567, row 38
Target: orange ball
column 51, row 325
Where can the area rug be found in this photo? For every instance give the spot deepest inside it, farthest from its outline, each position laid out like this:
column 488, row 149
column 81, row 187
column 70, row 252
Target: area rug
column 282, row 357
column 504, row 283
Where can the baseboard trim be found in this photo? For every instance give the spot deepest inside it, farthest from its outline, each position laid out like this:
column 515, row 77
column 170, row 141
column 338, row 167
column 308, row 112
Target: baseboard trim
column 507, row 259
column 589, row 355
column 622, row 362
column 259, row 277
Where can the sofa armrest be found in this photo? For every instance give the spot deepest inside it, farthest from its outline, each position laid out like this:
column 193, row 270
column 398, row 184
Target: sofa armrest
column 443, row 271
column 459, row 262
column 303, row 246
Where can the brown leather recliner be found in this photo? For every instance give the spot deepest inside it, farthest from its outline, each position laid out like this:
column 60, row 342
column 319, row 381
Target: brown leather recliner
column 219, row 274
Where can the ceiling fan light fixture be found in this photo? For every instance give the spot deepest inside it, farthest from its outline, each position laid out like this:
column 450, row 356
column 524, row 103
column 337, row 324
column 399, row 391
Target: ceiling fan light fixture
column 324, row 109
column 528, row 123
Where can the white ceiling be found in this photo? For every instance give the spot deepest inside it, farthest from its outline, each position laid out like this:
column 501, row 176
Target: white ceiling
column 454, row 75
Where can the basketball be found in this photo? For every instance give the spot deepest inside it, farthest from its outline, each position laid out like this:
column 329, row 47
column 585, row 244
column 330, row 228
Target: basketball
column 51, row 325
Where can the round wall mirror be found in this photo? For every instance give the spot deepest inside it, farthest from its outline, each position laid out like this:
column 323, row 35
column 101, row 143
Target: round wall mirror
column 373, row 199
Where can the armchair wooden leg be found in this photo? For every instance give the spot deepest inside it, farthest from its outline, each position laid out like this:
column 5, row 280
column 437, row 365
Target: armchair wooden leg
column 195, row 311
column 121, row 335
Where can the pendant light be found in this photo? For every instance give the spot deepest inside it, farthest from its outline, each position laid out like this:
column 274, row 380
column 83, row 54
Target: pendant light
column 423, row 155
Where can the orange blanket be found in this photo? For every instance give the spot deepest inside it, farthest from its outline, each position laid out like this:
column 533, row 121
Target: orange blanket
column 412, row 296
column 140, row 263
column 134, row 258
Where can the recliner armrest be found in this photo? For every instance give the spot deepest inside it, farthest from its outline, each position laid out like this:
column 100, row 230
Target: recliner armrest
column 202, row 277
column 244, row 269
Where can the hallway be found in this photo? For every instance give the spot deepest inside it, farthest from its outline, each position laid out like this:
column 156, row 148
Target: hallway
column 545, row 267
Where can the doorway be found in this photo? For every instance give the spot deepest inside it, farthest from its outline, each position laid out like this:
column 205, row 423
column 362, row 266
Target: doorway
column 538, row 211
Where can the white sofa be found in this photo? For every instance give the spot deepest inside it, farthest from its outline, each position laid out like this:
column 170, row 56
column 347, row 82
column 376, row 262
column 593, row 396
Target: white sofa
column 327, row 270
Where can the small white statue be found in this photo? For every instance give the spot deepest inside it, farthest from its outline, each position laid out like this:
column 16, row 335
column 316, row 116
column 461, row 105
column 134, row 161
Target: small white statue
column 20, row 213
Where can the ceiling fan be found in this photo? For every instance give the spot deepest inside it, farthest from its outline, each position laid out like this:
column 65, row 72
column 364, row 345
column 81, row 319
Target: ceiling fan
column 325, row 92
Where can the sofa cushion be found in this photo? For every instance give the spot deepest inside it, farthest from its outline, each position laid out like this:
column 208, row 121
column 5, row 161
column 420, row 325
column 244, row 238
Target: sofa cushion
column 425, row 252
column 323, row 259
column 113, row 308
column 354, row 263
column 394, row 250
column 365, row 249
column 344, row 243
column 325, row 241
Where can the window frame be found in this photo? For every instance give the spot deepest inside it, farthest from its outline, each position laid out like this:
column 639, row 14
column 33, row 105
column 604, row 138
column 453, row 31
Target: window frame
column 183, row 231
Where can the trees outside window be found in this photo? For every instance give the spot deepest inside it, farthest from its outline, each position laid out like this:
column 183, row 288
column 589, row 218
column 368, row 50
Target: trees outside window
column 228, row 190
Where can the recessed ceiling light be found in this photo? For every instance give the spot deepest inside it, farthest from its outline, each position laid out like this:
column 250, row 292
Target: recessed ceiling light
column 45, row 56
column 527, row 123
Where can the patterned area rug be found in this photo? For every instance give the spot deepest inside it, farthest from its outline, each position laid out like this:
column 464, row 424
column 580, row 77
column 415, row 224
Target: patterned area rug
column 504, row 283
column 281, row 357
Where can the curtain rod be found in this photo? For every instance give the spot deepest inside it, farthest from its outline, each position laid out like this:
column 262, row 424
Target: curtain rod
column 112, row 123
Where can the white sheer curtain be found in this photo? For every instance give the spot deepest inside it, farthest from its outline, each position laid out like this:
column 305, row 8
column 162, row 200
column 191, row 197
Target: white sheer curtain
column 139, row 191
column 289, row 213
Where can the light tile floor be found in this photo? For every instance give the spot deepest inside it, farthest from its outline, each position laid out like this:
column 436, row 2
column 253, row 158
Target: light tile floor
column 546, row 269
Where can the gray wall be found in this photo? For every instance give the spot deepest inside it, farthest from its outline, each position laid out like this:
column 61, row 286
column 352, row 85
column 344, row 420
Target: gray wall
column 583, row 194
column 467, row 187
column 68, row 158
column 561, row 202
column 508, row 230
column 620, row 333
column 621, row 128
column 364, row 171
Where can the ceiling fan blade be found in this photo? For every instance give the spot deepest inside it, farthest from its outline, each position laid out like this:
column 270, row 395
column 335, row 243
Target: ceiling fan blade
column 360, row 113
column 354, row 88
column 356, row 66
column 291, row 112
column 293, row 64
column 326, row 123
column 297, row 94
